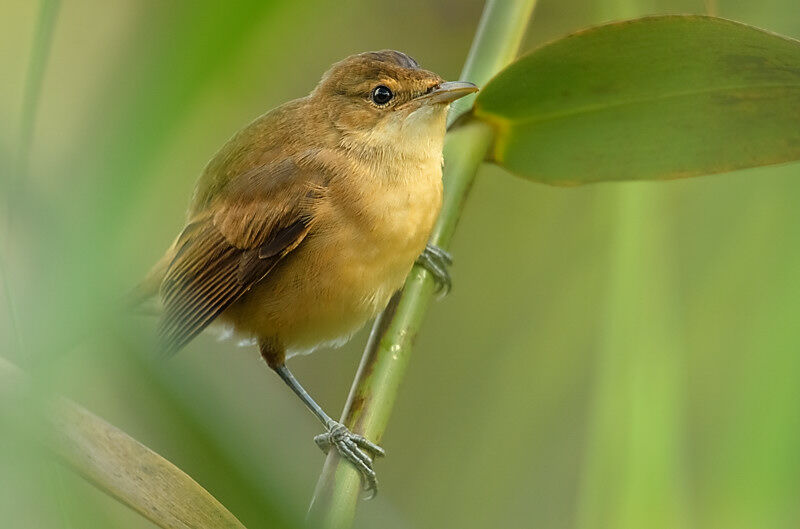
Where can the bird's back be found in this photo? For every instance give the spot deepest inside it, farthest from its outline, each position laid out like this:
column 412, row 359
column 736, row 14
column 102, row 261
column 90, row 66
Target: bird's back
column 265, row 140
column 261, row 142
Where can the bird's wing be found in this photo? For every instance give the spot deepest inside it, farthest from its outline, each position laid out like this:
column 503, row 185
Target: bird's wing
column 233, row 244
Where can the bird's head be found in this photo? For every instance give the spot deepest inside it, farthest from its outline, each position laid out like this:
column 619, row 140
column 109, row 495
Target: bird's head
column 383, row 100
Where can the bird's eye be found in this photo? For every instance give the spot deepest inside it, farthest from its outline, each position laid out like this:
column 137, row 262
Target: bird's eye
column 382, row 95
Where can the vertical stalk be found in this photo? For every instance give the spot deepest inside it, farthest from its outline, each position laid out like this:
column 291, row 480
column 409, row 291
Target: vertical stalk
column 42, row 40
column 632, row 475
column 386, row 356
column 40, row 51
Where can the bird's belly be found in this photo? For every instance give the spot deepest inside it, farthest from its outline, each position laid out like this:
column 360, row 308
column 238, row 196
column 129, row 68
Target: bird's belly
column 342, row 275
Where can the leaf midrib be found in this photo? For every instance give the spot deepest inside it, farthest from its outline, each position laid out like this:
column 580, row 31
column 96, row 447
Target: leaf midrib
column 588, row 109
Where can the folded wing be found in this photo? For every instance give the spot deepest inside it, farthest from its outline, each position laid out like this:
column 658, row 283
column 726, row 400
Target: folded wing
column 234, row 243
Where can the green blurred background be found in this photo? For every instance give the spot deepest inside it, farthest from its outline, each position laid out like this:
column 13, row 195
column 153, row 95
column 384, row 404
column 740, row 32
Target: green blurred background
column 613, row 356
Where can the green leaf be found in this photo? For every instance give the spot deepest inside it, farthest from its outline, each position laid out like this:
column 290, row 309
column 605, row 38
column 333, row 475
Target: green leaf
column 121, row 466
column 653, row 98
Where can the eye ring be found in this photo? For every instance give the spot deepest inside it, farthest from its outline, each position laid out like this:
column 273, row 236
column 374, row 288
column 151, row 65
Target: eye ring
column 381, row 95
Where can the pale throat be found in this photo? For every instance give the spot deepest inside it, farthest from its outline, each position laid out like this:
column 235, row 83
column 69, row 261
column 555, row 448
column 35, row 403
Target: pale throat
column 412, row 140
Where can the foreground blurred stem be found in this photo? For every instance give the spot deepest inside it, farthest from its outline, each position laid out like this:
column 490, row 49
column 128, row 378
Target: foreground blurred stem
column 42, row 40
column 385, row 359
column 40, row 52
column 42, row 43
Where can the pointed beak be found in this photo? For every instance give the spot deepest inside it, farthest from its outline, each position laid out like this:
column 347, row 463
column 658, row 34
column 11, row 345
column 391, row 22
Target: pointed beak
column 447, row 92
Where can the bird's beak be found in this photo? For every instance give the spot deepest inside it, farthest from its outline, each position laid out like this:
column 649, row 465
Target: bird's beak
column 448, row 92
column 445, row 93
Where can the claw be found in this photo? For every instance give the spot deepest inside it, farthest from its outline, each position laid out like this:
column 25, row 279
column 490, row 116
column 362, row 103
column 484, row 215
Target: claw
column 435, row 260
column 353, row 448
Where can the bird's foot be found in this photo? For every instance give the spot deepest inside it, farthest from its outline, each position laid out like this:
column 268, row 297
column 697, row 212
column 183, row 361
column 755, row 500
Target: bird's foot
column 354, row 448
column 435, row 260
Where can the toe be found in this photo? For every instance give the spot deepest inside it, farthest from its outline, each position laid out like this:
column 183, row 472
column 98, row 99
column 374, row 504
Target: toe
column 323, row 441
column 443, row 255
column 359, row 453
column 366, row 444
column 370, row 478
column 435, row 261
column 356, row 449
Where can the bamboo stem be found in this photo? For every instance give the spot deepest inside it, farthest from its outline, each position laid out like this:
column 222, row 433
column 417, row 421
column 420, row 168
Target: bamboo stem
column 386, row 356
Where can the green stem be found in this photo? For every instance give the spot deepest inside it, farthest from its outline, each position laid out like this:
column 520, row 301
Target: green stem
column 632, row 468
column 386, row 357
column 42, row 41
column 632, row 473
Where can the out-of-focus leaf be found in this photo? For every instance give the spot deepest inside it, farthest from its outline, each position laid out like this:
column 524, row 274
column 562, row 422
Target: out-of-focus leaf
column 123, row 467
column 172, row 58
column 652, row 98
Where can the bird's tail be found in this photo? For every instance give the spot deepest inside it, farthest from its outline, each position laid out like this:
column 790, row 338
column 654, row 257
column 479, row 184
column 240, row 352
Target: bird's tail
column 143, row 297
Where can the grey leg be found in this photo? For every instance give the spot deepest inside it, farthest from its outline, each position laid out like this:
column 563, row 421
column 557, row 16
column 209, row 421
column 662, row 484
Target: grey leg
column 352, row 447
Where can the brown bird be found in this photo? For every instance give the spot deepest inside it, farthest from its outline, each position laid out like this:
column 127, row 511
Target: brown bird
column 307, row 221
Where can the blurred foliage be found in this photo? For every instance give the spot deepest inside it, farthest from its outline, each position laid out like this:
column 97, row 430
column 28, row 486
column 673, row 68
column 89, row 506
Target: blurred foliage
column 559, row 385
column 116, row 463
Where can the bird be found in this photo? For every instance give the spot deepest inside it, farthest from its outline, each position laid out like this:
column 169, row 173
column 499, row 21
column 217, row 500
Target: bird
column 306, row 222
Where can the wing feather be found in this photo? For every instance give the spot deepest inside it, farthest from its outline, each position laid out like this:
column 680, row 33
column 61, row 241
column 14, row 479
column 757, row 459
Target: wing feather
column 232, row 245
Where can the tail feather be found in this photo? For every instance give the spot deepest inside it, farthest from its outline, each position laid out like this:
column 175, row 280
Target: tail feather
column 144, row 296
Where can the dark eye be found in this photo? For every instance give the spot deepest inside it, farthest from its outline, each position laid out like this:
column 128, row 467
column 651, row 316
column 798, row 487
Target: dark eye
column 382, row 95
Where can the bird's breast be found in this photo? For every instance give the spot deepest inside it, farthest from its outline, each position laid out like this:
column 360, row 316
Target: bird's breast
column 382, row 223
column 367, row 232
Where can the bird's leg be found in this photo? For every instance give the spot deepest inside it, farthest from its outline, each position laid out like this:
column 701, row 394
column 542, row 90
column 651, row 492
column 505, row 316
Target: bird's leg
column 352, row 447
column 435, row 260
